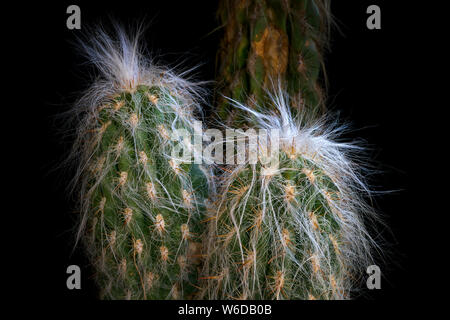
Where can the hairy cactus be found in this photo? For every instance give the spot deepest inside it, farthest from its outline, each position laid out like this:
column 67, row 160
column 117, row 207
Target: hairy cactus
column 140, row 203
column 270, row 39
column 291, row 225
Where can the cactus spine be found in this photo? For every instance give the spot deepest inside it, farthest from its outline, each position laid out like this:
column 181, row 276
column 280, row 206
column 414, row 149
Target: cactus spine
column 140, row 203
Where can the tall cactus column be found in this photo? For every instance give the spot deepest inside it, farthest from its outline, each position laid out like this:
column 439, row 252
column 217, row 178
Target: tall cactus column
column 272, row 40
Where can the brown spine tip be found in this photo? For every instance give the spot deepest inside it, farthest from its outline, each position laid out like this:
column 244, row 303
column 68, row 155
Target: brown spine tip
column 112, row 238
column 123, row 178
column 152, row 98
column 289, row 192
column 185, row 234
column 123, row 267
column 151, row 190
column 133, row 120
column 119, row 145
column 119, row 104
column 187, row 199
column 313, row 219
column 309, row 174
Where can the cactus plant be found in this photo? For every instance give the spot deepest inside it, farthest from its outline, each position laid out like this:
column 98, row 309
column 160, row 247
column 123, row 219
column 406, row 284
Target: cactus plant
column 266, row 40
column 290, row 225
column 295, row 230
column 140, row 203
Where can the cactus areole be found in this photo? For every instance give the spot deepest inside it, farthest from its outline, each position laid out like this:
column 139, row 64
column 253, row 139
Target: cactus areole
column 291, row 225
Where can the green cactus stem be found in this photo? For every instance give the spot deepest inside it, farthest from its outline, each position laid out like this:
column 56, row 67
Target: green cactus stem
column 140, row 203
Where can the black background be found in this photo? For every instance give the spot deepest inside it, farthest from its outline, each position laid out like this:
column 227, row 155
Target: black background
column 375, row 82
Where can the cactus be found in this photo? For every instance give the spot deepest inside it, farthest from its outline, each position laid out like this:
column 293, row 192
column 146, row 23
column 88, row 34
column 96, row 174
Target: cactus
column 140, row 203
column 293, row 229
column 291, row 225
column 266, row 40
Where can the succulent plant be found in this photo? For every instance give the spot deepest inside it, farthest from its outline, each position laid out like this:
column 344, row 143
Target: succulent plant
column 289, row 221
column 290, row 225
column 140, row 201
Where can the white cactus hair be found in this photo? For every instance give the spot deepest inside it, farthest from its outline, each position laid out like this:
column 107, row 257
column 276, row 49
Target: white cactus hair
column 320, row 142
